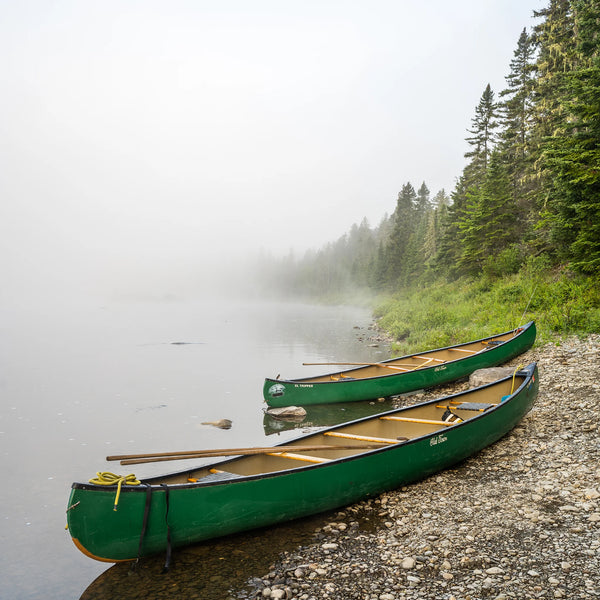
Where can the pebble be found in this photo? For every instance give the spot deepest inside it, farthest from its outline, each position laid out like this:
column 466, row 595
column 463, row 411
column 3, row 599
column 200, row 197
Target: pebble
column 520, row 520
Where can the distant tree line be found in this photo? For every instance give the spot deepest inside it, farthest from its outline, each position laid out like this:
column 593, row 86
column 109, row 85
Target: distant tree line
column 530, row 189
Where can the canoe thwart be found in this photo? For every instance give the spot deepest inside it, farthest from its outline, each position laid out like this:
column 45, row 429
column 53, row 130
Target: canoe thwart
column 362, row 438
column 414, row 420
column 430, row 359
column 304, row 457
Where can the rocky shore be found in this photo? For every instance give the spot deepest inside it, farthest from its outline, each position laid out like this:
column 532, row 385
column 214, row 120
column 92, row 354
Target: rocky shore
column 519, row 520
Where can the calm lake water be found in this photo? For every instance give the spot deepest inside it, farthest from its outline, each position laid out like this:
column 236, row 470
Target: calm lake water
column 81, row 381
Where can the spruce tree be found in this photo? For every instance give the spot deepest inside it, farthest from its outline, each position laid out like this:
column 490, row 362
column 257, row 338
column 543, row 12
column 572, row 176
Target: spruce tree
column 402, row 228
column 573, row 157
column 422, row 203
column 489, row 226
column 449, row 249
column 517, row 110
column 434, row 232
column 483, row 137
column 554, row 38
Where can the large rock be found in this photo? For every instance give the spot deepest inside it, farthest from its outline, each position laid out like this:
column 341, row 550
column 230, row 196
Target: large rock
column 483, row 376
column 288, row 413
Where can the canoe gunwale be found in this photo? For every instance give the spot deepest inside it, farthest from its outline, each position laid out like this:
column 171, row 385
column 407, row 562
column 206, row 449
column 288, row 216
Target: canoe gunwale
column 518, row 332
column 155, row 481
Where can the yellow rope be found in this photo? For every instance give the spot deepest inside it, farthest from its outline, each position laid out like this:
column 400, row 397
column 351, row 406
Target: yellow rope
column 513, row 378
column 108, row 478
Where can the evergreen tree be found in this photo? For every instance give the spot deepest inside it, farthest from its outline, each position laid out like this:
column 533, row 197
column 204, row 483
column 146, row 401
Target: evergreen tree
column 555, row 40
column 449, row 248
column 517, row 110
column 490, row 223
column 403, row 225
column 440, row 200
column 483, row 134
column 534, row 159
column 422, row 203
column 573, row 157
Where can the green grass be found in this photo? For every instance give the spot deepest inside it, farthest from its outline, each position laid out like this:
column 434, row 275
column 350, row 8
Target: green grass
column 444, row 314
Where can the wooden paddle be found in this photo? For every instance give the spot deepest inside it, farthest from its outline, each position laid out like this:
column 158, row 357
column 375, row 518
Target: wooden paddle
column 358, row 364
column 132, row 459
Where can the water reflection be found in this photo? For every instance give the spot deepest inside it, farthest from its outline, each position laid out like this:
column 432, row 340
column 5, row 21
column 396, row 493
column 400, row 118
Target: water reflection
column 86, row 381
column 216, row 570
column 326, row 415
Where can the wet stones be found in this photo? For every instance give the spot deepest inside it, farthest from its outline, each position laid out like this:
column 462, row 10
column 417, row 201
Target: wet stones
column 520, row 520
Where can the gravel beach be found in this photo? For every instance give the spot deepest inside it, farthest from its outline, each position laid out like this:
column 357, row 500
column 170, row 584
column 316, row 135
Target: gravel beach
column 519, row 520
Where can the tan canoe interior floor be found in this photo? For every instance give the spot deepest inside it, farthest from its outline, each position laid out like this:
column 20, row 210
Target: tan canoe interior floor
column 383, row 429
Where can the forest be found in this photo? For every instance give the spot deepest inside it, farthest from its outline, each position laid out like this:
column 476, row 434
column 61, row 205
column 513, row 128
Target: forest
column 528, row 198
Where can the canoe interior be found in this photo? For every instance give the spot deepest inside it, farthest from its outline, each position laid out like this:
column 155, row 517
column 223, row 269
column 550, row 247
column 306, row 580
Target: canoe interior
column 384, row 430
column 405, row 364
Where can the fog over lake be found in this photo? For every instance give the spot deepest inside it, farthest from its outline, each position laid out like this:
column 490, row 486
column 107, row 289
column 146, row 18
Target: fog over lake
column 82, row 381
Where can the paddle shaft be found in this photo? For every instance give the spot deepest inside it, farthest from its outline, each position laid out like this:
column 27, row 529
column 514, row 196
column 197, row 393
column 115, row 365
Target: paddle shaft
column 157, row 456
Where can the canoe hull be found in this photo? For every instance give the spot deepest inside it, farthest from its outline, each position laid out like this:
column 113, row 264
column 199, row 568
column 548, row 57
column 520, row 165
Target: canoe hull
column 306, row 392
column 201, row 511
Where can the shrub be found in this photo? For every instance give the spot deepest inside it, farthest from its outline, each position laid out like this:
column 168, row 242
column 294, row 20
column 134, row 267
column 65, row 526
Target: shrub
column 506, row 262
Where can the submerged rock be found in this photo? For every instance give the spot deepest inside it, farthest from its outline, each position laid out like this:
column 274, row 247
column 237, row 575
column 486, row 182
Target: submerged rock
column 221, row 423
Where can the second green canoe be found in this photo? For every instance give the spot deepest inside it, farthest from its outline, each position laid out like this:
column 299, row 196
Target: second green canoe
column 369, row 381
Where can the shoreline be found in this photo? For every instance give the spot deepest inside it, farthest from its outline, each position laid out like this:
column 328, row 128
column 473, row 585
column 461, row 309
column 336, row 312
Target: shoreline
column 521, row 519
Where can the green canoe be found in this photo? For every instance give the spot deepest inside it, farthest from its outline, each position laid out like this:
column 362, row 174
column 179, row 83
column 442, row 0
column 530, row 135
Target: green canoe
column 355, row 460
column 400, row 375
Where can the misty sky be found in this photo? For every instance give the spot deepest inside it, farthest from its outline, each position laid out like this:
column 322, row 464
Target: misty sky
column 141, row 140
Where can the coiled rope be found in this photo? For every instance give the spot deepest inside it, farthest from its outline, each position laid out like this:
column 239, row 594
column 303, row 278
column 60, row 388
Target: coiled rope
column 108, row 478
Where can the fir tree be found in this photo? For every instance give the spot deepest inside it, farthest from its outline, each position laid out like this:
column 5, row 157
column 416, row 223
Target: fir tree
column 517, row 110
column 422, row 203
column 573, row 158
column 490, row 224
column 449, row 249
column 483, row 134
column 402, row 228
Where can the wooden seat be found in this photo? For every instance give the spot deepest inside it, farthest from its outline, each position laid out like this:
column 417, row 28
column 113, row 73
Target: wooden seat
column 215, row 475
